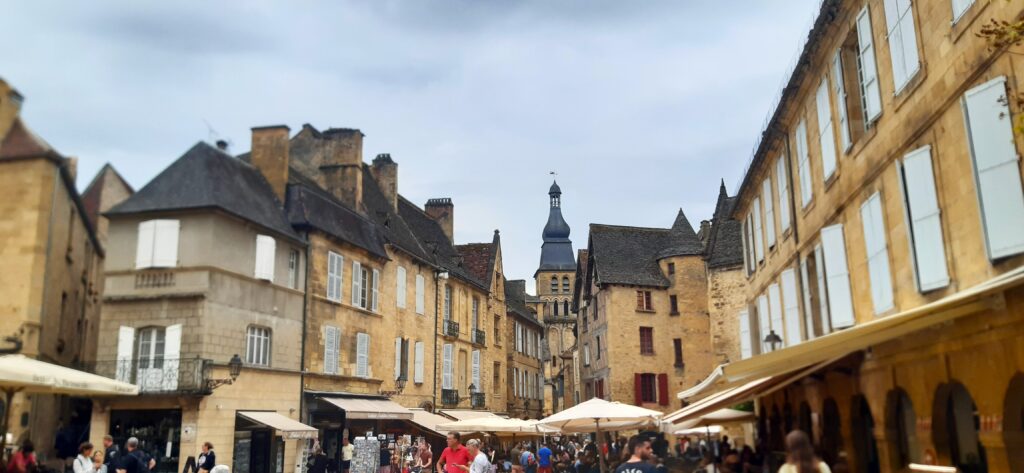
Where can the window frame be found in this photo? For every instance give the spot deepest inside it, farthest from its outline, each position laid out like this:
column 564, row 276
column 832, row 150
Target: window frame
column 647, row 341
column 258, row 345
column 334, row 281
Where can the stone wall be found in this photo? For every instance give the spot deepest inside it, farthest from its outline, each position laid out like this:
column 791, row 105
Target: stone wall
column 725, row 300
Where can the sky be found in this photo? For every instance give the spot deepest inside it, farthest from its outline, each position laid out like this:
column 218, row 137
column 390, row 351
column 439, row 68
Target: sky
column 641, row 108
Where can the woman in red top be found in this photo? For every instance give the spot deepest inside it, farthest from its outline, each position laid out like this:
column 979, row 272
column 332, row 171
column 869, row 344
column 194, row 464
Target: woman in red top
column 20, row 461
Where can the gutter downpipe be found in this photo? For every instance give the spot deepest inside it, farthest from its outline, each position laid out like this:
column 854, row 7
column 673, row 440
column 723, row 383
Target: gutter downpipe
column 305, row 328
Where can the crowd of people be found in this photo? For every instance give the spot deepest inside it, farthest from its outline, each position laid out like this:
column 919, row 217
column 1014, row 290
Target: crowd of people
column 110, row 459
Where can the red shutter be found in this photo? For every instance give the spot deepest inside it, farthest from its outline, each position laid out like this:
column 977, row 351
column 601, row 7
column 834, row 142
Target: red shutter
column 638, row 388
column 663, row 389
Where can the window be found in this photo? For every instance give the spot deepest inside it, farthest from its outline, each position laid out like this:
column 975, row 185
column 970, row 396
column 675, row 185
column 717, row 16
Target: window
column 782, row 181
column 790, row 307
column 777, row 317
column 497, row 329
column 447, row 303
column 365, row 286
column 475, row 317
column 417, row 376
column 878, row 255
column 996, row 171
column 871, row 98
column 597, row 341
column 901, row 422
column 257, row 346
column 400, row 358
column 921, row 205
column 837, row 277
column 447, row 368
column 745, row 336
column 643, row 301
column 758, row 235
column 599, row 387
column 565, row 284
column 419, row 294
column 554, row 308
column 264, row 257
column 826, row 139
column 400, row 289
column 899, row 18
column 150, row 351
column 293, row 269
column 335, row 265
column 677, row 345
column 803, row 164
column 819, row 270
column 769, row 211
column 332, row 349
column 960, row 7
column 475, row 371
column 673, row 302
column 748, row 244
column 671, row 269
column 515, row 382
column 496, row 383
column 157, row 245
column 565, row 308
column 586, row 354
column 646, row 340
column 647, row 388
column 363, row 355
column 554, row 284
column 840, row 89
column 763, row 323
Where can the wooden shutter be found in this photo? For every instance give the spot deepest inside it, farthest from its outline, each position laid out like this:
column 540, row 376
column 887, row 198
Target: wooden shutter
column 419, row 294
column 165, row 244
column 759, row 249
column 819, row 269
column 265, row 246
column 837, row 277
column 362, row 355
column 877, row 254
column 782, row 181
column 826, row 139
column 376, row 290
column 997, row 173
column 638, row 389
column 777, row 318
column 144, row 244
column 400, row 292
column 398, row 357
column 959, row 7
column 476, row 371
column 749, row 243
column 663, row 389
column 870, row 93
column 791, row 307
column 764, row 322
column 447, row 370
column 125, row 353
column 805, row 288
column 899, row 18
column 745, row 338
column 769, row 210
column 172, row 357
column 331, row 339
column 335, row 271
column 803, row 164
column 357, row 284
column 418, row 371
column 841, row 111
column 922, row 212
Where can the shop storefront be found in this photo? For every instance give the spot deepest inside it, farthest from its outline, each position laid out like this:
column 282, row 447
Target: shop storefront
column 260, row 437
column 158, row 431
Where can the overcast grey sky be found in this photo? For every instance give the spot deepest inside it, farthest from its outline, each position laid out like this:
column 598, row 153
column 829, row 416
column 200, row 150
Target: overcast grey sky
column 640, row 106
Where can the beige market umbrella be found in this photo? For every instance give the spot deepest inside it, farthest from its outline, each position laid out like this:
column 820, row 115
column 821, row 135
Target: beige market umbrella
column 719, row 417
column 19, row 373
column 597, row 414
column 497, row 425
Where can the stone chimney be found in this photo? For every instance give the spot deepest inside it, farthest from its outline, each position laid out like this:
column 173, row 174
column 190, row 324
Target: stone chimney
column 385, row 171
column 704, row 232
column 270, row 155
column 10, row 107
column 71, row 163
column 342, row 167
column 443, row 211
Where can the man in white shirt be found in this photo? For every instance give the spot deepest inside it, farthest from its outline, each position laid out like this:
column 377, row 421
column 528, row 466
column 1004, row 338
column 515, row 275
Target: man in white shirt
column 480, row 463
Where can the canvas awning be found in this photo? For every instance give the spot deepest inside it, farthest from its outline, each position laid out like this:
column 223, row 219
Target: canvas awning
column 285, row 426
column 23, row 374
column 428, row 420
column 465, row 414
column 368, row 408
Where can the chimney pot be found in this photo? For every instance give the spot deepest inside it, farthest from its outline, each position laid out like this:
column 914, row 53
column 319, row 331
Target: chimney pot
column 222, row 145
column 385, row 172
column 442, row 210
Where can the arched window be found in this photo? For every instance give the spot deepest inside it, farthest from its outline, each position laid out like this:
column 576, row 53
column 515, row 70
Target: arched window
column 776, row 437
column 804, row 421
column 787, row 418
column 1013, row 423
column 565, row 307
column 831, row 433
column 554, row 284
column 565, row 284
column 955, row 428
column 554, row 305
column 862, row 424
column 901, row 430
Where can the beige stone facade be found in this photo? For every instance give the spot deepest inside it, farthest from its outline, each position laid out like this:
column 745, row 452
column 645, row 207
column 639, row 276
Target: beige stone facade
column 554, row 302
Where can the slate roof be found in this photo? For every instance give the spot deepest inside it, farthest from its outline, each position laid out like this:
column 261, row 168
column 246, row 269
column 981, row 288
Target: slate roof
column 515, row 301
column 725, row 243
column 478, row 259
column 309, row 206
column 682, row 241
column 627, row 255
column 92, row 197
column 206, row 177
column 434, row 240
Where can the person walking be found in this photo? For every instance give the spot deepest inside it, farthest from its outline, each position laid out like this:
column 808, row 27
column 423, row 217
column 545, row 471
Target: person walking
column 639, row 450
column 527, row 460
column 480, row 463
column 21, row 460
column 347, row 452
column 424, row 457
column 544, row 459
column 318, row 464
column 83, row 462
column 800, row 456
column 453, row 455
column 131, row 461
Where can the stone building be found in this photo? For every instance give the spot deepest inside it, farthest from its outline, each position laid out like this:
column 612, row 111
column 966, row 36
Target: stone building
column 644, row 308
column 554, row 279
column 51, row 280
column 525, row 351
column 884, row 225
column 106, row 190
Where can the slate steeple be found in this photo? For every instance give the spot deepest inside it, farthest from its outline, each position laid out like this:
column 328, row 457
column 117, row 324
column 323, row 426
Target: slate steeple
column 556, row 252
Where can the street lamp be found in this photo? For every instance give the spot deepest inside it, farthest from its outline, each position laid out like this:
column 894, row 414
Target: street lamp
column 773, row 340
column 234, row 369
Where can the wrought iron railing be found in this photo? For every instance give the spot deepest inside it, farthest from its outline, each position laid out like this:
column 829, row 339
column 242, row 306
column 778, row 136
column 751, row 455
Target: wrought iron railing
column 159, row 375
column 479, row 337
column 479, row 400
column 451, row 328
column 450, row 397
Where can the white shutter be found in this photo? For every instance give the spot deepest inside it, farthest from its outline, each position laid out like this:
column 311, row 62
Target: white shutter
column 172, row 357
column 877, row 253
column 745, row 348
column 418, row 373
column 400, row 291
column 265, row 246
column 791, row 307
column 165, row 244
column 335, row 271
column 870, row 93
column 826, row 139
column 748, row 243
column 758, row 236
column 447, row 370
column 763, row 322
column 419, row 294
column 331, row 349
column 362, row 355
column 805, row 288
column 782, row 181
column 803, row 164
column 997, row 173
column 376, row 290
column 777, row 318
column 840, row 88
column 769, row 211
column 125, row 353
column 837, row 277
column 819, row 264
column 398, row 357
column 959, row 7
column 144, row 244
column 476, row 370
column 899, row 18
column 922, row 212
column 357, row 284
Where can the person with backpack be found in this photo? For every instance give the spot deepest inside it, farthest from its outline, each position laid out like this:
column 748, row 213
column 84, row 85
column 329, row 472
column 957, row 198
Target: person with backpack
column 528, row 461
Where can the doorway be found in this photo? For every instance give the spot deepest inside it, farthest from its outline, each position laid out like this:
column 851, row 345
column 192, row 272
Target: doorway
column 862, row 424
column 956, row 428
column 158, row 431
column 1013, row 423
column 462, row 368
